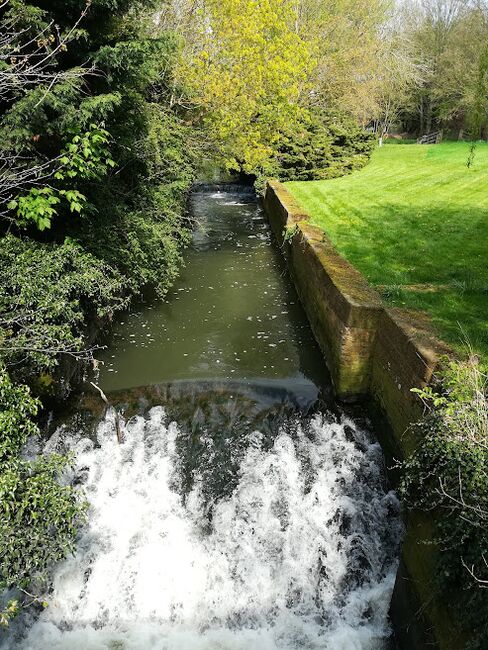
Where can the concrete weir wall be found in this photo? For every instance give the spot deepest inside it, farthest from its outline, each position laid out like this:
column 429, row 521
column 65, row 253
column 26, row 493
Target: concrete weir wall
column 371, row 351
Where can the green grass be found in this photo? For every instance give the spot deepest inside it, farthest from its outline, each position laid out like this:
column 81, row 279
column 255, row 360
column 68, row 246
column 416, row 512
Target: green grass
column 415, row 222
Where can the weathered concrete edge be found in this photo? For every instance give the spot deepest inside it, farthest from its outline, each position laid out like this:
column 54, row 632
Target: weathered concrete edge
column 397, row 351
column 342, row 308
column 369, row 350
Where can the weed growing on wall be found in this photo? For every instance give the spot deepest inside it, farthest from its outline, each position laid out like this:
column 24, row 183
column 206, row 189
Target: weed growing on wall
column 447, row 477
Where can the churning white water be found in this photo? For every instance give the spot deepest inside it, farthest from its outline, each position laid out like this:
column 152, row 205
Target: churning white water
column 301, row 556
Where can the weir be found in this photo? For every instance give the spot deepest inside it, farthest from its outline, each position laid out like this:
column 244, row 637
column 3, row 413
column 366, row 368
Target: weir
column 245, row 509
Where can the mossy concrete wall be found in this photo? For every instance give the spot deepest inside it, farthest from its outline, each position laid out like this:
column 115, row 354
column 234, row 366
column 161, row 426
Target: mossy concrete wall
column 369, row 349
column 405, row 357
column 343, row 310
column 381, row 353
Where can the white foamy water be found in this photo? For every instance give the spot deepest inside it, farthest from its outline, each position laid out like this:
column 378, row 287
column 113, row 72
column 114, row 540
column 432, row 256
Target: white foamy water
column 301, row 556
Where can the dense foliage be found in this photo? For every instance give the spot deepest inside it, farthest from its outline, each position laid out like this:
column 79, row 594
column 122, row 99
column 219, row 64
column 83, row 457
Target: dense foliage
column 249, row 73
column 278, row 82
column 447, row 477
column 328, row 145
column 38, row 515
column 96, row 169
column 448, row 43
column 69, row 289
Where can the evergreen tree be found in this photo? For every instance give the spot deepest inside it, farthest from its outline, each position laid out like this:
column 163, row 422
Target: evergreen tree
column 95, row 160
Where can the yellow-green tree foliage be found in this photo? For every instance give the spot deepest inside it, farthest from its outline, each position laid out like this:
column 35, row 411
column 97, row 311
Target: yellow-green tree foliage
column 256, row 67
column 250, row 73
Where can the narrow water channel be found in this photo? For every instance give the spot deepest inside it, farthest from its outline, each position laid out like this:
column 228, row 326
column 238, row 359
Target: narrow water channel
column 232, row 315
column 244, row 510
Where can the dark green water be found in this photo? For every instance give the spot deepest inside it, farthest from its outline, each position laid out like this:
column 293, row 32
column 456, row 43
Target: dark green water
column 233, row 314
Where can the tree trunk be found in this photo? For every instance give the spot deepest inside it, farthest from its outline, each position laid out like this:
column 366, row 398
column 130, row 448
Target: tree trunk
column 428, row 125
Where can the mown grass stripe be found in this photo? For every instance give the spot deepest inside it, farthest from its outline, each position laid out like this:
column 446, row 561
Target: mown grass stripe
column 415, row 215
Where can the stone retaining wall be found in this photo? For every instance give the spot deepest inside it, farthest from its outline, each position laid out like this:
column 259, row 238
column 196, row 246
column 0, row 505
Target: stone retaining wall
column 342, row 308
column 370, row 351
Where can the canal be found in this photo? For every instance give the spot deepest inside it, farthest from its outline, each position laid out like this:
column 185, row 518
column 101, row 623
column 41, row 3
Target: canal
column 244, row 509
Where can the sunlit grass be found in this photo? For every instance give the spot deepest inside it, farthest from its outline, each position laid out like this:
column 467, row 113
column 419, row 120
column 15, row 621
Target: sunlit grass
column 415, row 222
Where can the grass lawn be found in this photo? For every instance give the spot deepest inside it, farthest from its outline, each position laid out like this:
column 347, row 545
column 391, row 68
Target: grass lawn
column 415, row 222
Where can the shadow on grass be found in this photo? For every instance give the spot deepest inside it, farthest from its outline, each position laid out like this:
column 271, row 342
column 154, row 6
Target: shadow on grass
column 433, row 259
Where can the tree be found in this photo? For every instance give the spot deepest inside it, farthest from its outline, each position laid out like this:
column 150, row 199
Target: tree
column 463, row 88
column 30, row 47
column 249, row 72
column 347, row 43
column 259, row 70
column 449, row 42
column 431, row 36
column 95, row 168
column 397, row 76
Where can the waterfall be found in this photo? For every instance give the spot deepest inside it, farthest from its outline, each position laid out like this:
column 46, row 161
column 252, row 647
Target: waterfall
column 300, row 555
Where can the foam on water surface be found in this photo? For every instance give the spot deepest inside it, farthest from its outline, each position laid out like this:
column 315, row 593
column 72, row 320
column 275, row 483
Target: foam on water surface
column 301, row 555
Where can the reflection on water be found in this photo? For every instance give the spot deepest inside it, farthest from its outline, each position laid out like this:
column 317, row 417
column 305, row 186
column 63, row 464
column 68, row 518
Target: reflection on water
column 233, row 314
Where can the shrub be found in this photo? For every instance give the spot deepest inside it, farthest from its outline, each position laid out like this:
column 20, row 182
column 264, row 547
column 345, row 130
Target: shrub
column 39, row 516
column 48, row 295
column 447, row 475
column 327, row 145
